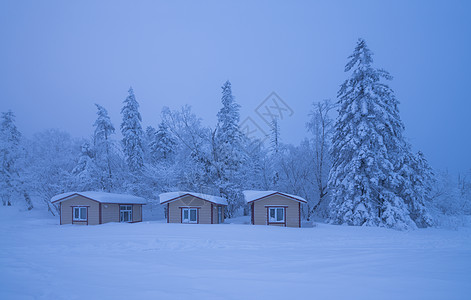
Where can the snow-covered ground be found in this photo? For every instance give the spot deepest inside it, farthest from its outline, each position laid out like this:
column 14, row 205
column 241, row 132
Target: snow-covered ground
column 153, row 260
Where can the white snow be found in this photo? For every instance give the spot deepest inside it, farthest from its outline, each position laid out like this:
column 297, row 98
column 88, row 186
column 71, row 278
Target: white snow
column 254, row 195
column 164, row 197
column 102, row 197
column 40, row 259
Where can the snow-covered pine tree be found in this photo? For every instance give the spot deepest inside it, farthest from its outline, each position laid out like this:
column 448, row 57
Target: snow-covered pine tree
column 416, row 186
column 162, row 146
column 11, row 180
column 104, row 147
column 229, row 155
column 9, row 153
column 132, row 133
column 367, row 141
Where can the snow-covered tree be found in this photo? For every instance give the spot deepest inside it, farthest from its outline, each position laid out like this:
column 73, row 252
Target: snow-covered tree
column 450, row 199
column 162, row 147
column 52, row 155
column 416, row 186
column 104, row 147
column 275, row 135
column 320, row 126
column 132, row 133
column 149, row 138
column 86, row 173
column 366, row 144
column 296, row 175
column 9, row 154
column 275, row 151
column 228, row 154
column 192, row 164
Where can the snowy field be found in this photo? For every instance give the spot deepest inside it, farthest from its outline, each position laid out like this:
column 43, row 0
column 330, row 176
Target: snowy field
column 153, row 260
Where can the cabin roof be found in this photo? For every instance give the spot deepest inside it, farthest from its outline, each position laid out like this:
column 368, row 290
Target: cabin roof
column 251, row 195
column 172, row 196
column 101, row 197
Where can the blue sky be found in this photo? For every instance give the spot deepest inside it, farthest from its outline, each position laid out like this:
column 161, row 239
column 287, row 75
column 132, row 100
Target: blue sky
column 58, row 58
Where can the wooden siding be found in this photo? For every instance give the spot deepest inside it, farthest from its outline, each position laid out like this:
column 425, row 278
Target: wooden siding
column 291, row 210
column 136, row 213
column 93, row 211
column 204, row 211
column 109, row 211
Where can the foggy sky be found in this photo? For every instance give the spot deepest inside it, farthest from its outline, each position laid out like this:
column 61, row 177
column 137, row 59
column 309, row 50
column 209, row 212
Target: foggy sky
column 58, row 58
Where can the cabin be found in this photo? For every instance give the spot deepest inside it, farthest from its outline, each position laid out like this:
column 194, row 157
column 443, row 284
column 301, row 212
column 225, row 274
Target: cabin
column 93, row 208
column 274, row 208
column 193, row 208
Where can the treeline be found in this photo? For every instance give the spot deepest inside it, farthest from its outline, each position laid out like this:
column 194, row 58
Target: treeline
column 355, row 168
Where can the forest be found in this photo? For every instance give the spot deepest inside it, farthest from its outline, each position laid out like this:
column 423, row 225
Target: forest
column 355, row 165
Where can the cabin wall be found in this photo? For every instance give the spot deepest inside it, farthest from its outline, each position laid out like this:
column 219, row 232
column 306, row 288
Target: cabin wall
column 204, row 209
column 93, row 207
column 110, row 212
column 137, row 213
column 260, row 210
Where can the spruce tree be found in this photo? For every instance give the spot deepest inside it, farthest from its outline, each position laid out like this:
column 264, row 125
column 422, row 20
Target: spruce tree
column 9, row 153
column 104, row 147
column 132, row 133
column 416, row 187
column 229, row 156
column 163, row 144
column 367, row 142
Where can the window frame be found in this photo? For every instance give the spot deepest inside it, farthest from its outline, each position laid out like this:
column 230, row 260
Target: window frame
column 189, row 209
column 276, row 209
column 130, row 213
column 80, row 218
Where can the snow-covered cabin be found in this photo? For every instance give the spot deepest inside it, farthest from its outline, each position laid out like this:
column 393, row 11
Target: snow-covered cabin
column 274, row 208
column 193, row 208
column 93, row 208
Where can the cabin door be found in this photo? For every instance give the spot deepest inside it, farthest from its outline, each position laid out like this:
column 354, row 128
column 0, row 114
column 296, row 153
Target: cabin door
column 125, row 213
column 220, row 214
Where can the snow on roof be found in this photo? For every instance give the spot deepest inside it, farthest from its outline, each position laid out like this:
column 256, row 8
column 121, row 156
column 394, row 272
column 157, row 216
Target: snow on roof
column 102, row 197
column 166, row 197
column 256, row 195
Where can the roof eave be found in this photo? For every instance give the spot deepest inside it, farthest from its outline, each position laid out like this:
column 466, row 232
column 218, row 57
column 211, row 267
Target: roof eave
column 188, row 194
column 277, row 193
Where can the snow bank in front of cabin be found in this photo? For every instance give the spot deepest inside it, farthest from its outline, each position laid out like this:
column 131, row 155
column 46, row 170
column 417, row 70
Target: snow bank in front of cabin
column 40, row 259
column 104, row 197
column 164, row 197
column 251, row 195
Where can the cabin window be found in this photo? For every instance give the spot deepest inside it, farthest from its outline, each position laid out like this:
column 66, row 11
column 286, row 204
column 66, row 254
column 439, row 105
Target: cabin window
column 125, row 213
column 80, row 214
column 189, row 215
column 276, row 214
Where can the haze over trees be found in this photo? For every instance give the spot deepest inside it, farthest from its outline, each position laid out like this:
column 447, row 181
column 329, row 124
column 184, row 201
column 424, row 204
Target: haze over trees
column 354, row 167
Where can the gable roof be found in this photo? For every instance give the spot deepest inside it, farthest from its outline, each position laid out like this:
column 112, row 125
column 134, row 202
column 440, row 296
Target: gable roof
column 101, row 197
column 172, row 196
column 251, row 196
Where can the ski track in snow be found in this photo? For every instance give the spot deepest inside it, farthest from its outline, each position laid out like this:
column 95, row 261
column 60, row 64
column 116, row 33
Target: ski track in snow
column 40, row 259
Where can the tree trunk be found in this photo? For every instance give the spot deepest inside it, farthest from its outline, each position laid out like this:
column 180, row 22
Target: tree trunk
column 28, row 200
